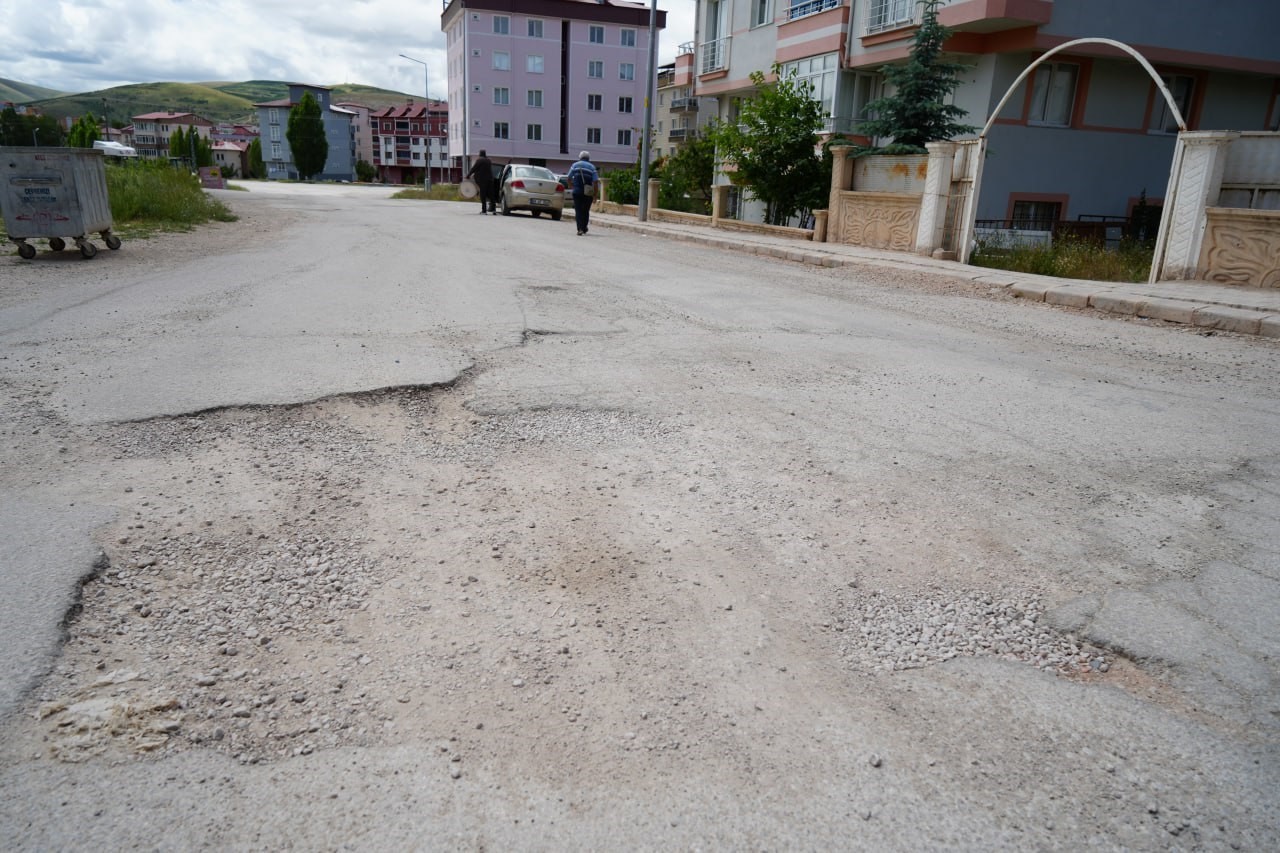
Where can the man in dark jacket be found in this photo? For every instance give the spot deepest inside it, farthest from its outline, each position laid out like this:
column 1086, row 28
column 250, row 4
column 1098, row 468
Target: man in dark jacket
column 482, row 173
column 585, row 183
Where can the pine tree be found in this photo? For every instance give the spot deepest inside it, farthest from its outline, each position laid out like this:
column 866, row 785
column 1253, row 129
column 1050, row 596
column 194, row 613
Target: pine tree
column 917, row 111
column 305, row 133
column 84, row 132
column 257, row 168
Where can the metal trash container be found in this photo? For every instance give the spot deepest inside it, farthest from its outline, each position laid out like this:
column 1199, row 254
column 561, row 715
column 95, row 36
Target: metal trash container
column 55, row 194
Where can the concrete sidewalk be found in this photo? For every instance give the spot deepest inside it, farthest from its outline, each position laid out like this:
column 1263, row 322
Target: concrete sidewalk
column 1232, row 308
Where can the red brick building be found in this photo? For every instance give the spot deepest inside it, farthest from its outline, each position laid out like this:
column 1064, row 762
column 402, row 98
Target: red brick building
column 402, row 138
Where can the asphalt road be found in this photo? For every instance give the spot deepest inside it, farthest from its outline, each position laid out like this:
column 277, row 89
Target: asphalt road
column 657, row 546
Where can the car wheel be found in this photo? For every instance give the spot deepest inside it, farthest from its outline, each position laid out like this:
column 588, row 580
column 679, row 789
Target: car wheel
column 506, row 209
column 536, row 214
column 556, row 214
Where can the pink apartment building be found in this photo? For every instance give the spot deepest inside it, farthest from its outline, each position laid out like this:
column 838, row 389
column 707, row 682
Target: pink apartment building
column 537, row 81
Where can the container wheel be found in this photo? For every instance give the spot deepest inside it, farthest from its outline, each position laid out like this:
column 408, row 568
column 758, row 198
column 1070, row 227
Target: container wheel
column 57, row 244
column 112, row 241
column 87, row 249
column 26, row 251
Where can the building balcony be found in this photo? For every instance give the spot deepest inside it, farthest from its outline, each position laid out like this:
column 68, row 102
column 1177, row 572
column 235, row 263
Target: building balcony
column 715, row 56
column 684, row 105
column 677, row 133
column 805, row 8
column 963, row 16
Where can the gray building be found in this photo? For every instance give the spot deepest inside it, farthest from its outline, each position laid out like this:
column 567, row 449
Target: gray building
column 339, row 131
column 1084, row 137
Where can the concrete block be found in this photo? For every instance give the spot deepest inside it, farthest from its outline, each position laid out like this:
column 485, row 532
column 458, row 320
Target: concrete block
column 1073, row 297
column 1026, row 290
column 1172, row 310
column 1115, row 303
column 1269, row 326
column 1229, row 319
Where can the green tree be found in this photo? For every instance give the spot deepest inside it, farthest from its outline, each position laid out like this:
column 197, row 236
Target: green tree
column 257, row 168
column 365, row 172
column 917, row 111
column 84, row 132
column 773, row 146
column 305, row 133
column 622, row 186
column 687, row 176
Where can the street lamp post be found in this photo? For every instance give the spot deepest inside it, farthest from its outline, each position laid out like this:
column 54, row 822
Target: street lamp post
column 642, row 213
column 426, row 132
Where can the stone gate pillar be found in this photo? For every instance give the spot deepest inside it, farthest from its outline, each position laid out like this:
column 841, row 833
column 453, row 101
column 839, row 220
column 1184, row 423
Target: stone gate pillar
column 1199, row 160
column 931, row 229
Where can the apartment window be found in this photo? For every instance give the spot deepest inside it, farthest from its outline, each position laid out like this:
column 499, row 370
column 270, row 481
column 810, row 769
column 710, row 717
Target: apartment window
column 594, row 103
column 627, row 38
column 533, row 64
column 761, row 12
column 595, row 68
column 501, row 60
column 501, row 25
column 274, row 115
column 501, row 95
column 624, row 136
column 626, row 71
column 275, row 151
column 1036, row 215
column 533, row 98
column 501, row 130
column 595, row 34
column 624, row 104
column 275, row 132
column 1053, row 94
column 533, row 133
column 593, row 136
column 535, row 29
column 1182, row 88
column 886, row 14
column 820, row 73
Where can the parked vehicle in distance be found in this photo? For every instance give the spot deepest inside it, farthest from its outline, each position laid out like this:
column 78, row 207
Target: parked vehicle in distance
column 568, row 190
column 532, row 188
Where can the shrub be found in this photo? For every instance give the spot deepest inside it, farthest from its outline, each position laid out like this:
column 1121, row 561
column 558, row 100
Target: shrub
column 155, row 193
column 1069, row 257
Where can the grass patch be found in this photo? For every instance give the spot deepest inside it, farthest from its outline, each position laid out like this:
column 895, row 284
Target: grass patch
column 1068, row 257
column 160, row 196
column 438, row 192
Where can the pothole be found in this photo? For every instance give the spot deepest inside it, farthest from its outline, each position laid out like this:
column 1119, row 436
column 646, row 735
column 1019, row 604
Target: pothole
column 890, row 631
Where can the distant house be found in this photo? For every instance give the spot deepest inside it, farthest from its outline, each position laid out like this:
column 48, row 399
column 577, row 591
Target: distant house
column 151, row 132
column 410, row 139
column 339, row 131
column 245, row 133
column 231, row 153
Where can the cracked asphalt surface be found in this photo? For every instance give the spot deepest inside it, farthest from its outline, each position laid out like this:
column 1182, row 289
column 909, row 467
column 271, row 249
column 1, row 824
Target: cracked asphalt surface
column 362, row 523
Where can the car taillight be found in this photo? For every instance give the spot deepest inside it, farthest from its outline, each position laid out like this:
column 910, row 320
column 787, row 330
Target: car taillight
column 559, row 188
column 517, row 185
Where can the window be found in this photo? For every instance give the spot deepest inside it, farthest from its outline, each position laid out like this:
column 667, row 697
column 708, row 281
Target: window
column 761, row 12
column 820, row 73
column 624, row 136
column 535, row 29
column 501, row 60
column 1053, row 94
column 533, row 98
column 275, row 133
column 595, row 68
column 624, row 104
column 501, row 95
column 593, row 136
column 883, row 14
column 533, row 133
column 274, row 115
column 594, row 103
column 1181, row 87
column 501, row 130
column 275, row 151
column 1036, row 215
column 533, row 64
column 595, row 34
column 501, row 25
column 626, row 71
column 627, row 38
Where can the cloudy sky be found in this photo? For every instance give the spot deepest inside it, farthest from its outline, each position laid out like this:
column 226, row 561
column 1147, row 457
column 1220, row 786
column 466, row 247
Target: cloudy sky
column 86, row 45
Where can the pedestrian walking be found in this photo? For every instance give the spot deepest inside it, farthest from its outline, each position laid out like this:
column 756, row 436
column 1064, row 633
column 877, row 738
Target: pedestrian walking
column 482, row 173
column 585, row 182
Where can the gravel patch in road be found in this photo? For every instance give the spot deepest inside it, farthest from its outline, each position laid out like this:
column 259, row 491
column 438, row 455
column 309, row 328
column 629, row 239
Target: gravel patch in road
column 890, row 631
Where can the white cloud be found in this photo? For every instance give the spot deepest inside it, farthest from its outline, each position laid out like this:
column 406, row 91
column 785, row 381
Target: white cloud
column 86, row 45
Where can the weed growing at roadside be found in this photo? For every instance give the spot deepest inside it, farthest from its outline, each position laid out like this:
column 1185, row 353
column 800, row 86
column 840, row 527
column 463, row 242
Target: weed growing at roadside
column 439, row 192
column 159, row 195
column 1069, row 257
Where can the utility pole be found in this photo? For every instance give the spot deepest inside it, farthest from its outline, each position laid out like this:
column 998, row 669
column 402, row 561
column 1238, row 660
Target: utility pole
column 642, row 213
column 426, row 128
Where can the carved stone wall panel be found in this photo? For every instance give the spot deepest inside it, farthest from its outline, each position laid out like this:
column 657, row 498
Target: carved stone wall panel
column 877, row 220
column 1241, row 247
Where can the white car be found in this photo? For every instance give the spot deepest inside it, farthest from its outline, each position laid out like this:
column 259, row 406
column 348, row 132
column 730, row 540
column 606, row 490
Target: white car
column 531, row 188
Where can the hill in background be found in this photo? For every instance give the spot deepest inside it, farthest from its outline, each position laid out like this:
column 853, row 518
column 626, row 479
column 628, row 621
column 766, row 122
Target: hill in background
column 21, row 93
column 216, row 101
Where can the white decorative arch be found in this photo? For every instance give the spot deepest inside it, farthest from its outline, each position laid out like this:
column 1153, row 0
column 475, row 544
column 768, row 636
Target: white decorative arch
column 971, row 204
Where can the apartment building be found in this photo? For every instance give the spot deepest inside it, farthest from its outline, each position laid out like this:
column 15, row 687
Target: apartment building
column 339, row 131
column 1084, row 137
column 537, row 81
column 677, row 113
column 151, row 132
column 411, row 141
